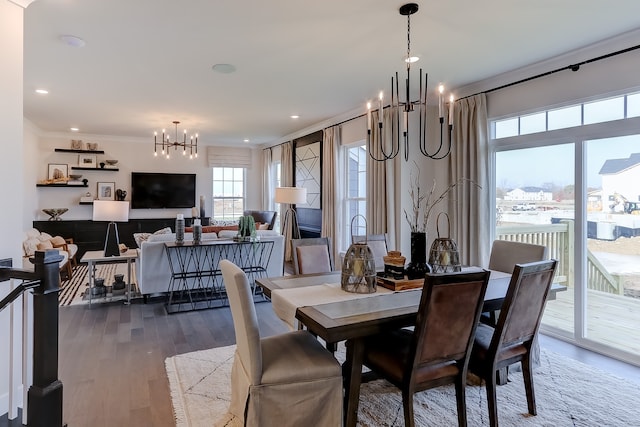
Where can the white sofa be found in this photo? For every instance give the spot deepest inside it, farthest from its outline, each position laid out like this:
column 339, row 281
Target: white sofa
column 152, row 266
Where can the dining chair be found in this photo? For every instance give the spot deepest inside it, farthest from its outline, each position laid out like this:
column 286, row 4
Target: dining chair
column 312, row 255
column 378, row 245
column 504, row 256
column 437, row 351
column 285, row 380
column 512, row 340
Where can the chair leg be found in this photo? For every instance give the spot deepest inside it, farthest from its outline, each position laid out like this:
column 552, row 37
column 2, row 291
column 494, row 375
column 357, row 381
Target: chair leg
column 461, row 401
column 407, row 404
column 490, row 381
column 527, row 374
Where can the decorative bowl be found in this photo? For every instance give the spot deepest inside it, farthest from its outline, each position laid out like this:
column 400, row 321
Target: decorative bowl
column 75, row 177
column 111, row 162
column 55, row 213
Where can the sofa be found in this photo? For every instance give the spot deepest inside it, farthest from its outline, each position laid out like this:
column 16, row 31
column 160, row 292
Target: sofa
column 153, row 273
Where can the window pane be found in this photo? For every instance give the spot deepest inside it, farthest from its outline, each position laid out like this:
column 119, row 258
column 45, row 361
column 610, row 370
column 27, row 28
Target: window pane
column 533, row 123
column 217, row 173
column 604, row 111
column 633, row 105
column 565, row 117
column 505, row 128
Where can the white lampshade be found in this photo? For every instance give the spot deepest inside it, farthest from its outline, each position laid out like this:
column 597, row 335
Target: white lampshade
column 110, row 210
column 291, row 195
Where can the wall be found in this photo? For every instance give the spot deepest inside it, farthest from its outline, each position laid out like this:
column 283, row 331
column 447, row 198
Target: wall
column 133, row 155
column 11, row 186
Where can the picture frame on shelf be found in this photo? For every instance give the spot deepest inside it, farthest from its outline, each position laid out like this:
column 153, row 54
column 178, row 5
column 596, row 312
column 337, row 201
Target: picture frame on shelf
column 57, row 172
column 88, row 160
column 106, row 191
column 76, row 144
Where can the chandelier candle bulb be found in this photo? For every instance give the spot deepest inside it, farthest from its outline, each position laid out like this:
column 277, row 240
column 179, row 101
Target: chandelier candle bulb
column 368, row 116
column 440, row 102
column 380, row 111
column 451, row 109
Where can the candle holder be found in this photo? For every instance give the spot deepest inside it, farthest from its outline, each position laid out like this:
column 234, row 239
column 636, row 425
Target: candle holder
column 358, row 267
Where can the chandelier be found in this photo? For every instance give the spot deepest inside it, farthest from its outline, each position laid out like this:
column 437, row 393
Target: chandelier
column 385, row 149
column 166, row 144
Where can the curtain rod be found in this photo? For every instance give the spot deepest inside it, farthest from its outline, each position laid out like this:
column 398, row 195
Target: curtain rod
column 572, row 67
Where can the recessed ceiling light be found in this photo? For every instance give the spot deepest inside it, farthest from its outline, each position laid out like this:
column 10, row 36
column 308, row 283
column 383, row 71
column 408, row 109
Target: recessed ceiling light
column 73, row 41
column 246, row 140
column 295, row 116
column 74, row 129
column 42, row 91
column 224, row 68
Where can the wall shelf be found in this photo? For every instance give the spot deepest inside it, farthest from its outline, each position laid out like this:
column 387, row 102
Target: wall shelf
column 62, row 185
column 80, row 168
column 86, row 203
column 70, row 150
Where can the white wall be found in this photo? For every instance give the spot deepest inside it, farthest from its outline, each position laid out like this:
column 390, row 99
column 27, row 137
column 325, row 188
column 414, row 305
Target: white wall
column 133, row 155
column 11, row 185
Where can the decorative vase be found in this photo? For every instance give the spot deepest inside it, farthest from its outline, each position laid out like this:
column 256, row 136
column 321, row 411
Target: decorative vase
column 180, row 229
column 418, row 266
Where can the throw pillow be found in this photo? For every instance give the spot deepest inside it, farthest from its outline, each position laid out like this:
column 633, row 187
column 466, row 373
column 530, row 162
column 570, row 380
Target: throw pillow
column 264, row 226
column 58, row 241
column 43, row 246
column 143, row 237
column 30, row 246
column 43, row 237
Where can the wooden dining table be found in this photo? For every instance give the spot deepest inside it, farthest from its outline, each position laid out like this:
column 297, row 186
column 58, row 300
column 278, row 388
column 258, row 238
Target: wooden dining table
column 356, row 318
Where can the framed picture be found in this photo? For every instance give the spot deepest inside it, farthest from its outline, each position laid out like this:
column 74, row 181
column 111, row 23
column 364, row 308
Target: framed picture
column 88, row 160
column 106, row 191
column 58, row 172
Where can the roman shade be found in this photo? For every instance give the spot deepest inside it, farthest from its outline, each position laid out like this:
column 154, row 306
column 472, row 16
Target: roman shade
column 231, row 157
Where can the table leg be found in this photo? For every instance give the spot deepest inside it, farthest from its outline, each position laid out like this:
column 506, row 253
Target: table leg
column 128, row 301
column 91, row 280
column 351, row 373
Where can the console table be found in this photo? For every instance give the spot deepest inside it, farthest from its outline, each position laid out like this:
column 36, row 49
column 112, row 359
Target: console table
column 196, row 281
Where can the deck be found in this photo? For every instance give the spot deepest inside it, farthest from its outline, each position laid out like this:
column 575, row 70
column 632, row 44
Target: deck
column 612, row 320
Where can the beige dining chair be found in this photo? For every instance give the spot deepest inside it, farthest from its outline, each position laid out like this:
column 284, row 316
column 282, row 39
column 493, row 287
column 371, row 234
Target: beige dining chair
column 312, row 255
column 513, row 338
column 432, row 355
column 284, row 380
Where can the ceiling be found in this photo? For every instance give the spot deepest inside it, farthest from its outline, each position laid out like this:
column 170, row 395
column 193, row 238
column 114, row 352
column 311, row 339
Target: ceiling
column 147, row 63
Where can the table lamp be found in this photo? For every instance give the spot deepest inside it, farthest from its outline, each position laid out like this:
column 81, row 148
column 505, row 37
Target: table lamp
column 291, row 196
column 112, row 211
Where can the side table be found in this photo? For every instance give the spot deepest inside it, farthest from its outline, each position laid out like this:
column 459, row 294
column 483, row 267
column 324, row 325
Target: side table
column 95, row 257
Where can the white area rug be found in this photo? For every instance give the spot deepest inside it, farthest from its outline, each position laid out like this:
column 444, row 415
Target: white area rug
column 568, row 393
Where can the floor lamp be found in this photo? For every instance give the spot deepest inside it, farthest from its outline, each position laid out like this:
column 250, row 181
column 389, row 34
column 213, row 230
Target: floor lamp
column 112, row 211
column 291, row 196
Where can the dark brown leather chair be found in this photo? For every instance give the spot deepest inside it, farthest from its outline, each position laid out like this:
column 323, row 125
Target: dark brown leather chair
column 437, row 351
column 512, row 339
column 263, row 217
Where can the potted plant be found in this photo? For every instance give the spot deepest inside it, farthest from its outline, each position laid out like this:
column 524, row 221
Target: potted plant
column 246, row 228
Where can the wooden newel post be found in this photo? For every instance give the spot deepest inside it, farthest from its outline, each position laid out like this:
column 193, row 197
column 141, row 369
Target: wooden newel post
column 44, row 399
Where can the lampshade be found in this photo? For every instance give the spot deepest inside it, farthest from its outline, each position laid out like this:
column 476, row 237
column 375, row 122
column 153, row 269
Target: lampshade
column 291, row 195
column 110, row 210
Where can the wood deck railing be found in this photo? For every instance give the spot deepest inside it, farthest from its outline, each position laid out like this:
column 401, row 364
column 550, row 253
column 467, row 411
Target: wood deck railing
column 559, row 238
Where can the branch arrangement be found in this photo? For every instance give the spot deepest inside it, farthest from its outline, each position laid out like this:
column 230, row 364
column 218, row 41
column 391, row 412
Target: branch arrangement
column 431, row 201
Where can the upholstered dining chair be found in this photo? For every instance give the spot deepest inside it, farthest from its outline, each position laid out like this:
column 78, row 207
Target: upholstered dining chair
column 378, row 245
column 437, row 351
column 512, row 340
column 284, row 380
column 312, row 255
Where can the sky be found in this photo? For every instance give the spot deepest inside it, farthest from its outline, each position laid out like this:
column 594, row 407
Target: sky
column 541, row 165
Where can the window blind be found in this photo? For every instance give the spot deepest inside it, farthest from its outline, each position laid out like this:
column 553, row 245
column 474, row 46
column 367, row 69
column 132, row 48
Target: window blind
column 229, row 157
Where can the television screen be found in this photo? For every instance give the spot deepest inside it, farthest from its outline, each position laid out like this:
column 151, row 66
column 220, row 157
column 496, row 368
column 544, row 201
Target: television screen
column 162, row 190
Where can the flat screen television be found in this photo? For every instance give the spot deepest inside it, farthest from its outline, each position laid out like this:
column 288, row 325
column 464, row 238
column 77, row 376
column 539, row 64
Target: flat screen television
column 162, row 190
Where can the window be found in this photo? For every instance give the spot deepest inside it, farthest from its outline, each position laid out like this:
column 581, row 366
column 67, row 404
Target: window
column 355, row 192
column 228, row 193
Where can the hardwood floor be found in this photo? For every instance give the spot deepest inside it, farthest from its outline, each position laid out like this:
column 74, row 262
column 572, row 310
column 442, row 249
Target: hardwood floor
column 112, row 358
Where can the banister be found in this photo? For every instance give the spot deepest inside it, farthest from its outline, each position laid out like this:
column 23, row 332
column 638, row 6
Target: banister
column 17, row 291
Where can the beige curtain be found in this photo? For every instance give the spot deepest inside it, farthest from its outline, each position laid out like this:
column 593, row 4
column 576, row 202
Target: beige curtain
column 469, row 209
column 377, row 177
column 267, row 180
column 286, row 180
column 330, row 190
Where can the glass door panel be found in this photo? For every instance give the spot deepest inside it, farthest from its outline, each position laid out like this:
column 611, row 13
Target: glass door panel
column 535, row 203
column 612, row 309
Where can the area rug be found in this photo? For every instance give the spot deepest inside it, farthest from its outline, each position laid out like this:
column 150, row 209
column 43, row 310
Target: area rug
column 74, row 291
column 568, row 393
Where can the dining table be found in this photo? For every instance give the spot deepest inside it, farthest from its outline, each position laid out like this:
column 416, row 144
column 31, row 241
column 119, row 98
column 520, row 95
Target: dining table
column 318, row 303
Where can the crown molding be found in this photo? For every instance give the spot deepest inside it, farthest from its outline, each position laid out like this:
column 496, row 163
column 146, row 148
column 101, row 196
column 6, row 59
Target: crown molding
column 22, row 3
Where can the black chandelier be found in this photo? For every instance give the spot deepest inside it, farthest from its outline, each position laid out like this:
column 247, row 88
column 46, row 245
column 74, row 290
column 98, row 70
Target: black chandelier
column 166, row 144
column 387, row 150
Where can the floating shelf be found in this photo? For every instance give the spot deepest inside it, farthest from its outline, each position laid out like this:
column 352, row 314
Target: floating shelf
column 86, row 203
column 70, row 150
column 62, row 185
column 80, row 168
